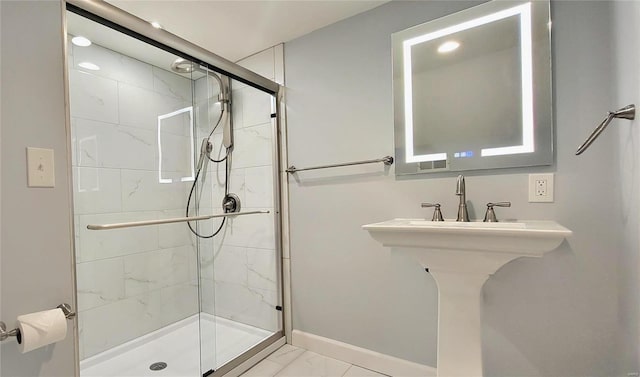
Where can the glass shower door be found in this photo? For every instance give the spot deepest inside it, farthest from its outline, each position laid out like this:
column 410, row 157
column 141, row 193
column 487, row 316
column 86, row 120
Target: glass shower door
column 132, row 131
column 154, row 135
column 239, row 282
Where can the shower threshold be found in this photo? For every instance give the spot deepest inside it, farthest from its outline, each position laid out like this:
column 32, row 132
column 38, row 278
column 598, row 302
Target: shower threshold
column 178, row 346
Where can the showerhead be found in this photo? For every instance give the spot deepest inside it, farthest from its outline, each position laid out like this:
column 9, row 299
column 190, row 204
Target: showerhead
column 182, row 66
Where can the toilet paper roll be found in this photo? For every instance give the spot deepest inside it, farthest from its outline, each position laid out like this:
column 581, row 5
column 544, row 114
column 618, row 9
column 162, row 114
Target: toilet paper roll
column 40, row 329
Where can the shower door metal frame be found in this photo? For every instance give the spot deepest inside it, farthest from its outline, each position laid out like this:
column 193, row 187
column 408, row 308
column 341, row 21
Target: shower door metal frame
column 115, row 18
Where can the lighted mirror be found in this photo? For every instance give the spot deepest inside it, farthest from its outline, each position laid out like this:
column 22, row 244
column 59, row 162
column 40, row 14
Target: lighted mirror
column 472, row 90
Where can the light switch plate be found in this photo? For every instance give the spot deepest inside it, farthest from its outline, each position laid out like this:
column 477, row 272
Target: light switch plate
column 40, row 169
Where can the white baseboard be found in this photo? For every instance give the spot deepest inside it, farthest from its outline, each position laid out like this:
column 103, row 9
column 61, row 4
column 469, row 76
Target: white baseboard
column 361, row 357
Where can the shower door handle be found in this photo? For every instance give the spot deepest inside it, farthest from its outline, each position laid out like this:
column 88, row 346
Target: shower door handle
column 168, row 221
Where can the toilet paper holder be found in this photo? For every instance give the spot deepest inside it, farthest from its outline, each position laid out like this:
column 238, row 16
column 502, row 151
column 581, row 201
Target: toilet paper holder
column 4, row 334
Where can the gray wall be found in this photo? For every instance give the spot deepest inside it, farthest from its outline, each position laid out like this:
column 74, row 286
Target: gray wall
column 36, row 222
column 626, row 89
column 556, row 315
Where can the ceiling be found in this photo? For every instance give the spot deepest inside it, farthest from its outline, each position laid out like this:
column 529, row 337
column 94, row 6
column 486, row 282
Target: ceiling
column 237, row 29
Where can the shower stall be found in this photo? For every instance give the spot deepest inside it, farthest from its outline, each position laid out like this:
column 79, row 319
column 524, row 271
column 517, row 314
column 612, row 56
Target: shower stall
column 159, row 136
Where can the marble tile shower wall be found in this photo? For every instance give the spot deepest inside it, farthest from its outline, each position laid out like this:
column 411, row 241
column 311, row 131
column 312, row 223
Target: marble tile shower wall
column 130, row 281
column 238, row 267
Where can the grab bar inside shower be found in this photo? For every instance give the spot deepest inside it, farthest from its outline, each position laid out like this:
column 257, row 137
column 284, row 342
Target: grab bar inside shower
column 168, row 221
column 388, row 160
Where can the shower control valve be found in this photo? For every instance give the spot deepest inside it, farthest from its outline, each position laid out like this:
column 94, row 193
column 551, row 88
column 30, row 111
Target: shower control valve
column 231, row 203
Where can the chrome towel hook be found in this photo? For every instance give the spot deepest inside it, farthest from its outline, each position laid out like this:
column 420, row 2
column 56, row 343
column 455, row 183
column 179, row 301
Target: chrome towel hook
column 627, row 112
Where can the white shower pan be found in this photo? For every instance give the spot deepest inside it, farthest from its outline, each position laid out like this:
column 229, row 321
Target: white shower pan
column 175, row 345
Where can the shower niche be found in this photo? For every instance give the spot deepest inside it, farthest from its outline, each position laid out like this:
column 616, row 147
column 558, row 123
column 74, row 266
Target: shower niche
column 156, row 136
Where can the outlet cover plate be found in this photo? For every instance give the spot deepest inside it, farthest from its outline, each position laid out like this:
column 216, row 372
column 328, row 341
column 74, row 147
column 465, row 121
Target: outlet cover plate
column 541, row 188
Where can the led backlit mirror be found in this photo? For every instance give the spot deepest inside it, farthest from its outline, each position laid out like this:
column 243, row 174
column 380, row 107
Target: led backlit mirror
column 472, row 90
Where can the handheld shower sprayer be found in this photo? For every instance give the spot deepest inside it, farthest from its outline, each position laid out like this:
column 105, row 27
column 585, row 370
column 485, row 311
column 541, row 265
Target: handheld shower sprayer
column 205, row 152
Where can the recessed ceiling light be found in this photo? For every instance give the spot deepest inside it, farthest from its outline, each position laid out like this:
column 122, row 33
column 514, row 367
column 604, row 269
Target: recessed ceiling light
column 448, row 46
column 89, row 66
column 156, row 25
column 81, row 41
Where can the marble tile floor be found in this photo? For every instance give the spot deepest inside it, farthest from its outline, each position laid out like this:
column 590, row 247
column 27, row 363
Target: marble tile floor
column 290, row 361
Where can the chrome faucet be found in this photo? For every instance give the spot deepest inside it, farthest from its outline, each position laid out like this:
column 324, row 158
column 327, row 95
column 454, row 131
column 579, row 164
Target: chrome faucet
column 463, row 215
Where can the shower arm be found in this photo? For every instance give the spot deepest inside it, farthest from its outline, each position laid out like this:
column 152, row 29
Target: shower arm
column 168, row 221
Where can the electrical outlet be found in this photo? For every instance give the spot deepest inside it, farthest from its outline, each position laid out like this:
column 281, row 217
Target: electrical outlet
column 40, row 171
column 541, row 188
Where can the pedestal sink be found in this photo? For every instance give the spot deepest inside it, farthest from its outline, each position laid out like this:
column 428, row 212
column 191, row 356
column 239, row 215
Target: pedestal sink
column 461, row 256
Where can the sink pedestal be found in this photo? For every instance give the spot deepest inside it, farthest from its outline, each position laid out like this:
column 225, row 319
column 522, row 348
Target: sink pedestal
column 461, row 257
column 459, row 345
column 460, row 276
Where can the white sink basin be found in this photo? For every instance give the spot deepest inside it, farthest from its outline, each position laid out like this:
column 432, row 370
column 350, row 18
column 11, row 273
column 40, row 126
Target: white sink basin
column 525, row 238
column 461, row 256
column 458, row 224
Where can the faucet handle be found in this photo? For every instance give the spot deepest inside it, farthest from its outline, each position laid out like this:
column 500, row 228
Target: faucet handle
column 437, row 215
column 490, row 215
